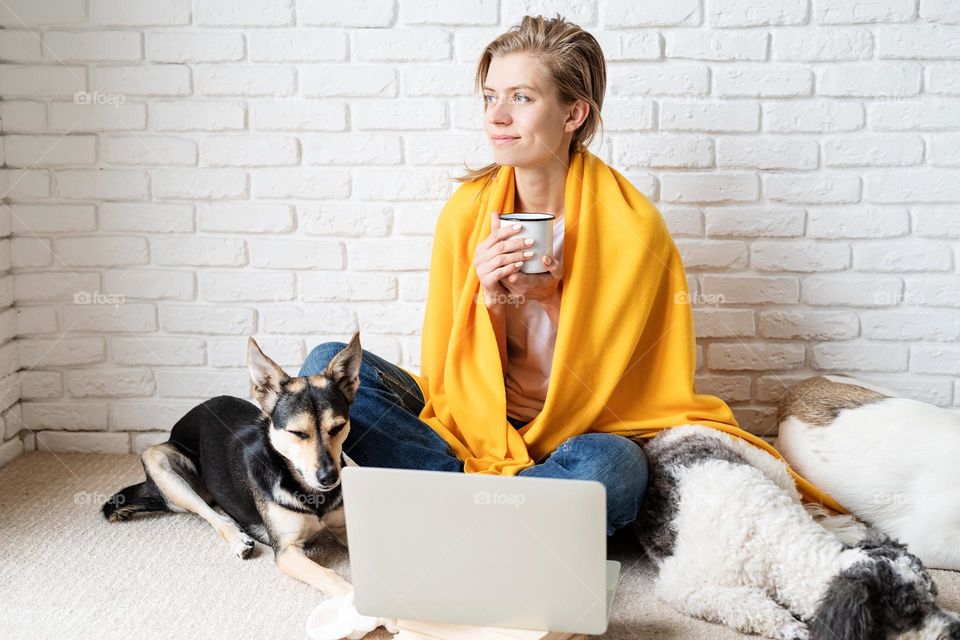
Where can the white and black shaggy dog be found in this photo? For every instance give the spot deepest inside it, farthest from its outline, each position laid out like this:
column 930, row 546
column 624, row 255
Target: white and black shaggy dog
column 724, row 522
column 891, row 461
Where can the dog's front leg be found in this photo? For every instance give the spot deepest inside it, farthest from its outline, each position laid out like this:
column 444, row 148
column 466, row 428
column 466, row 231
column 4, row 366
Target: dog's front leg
column 744, row 609
column 340, row 535
column 294, row 562
column 289, row 531
column 336, row 524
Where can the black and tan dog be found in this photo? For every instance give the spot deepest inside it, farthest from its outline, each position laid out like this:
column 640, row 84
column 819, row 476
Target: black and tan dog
column 274, row 470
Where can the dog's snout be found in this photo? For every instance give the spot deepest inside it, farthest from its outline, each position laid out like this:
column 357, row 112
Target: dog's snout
column 327, row 477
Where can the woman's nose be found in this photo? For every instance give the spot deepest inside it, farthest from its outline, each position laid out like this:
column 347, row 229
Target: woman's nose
column 497, row 111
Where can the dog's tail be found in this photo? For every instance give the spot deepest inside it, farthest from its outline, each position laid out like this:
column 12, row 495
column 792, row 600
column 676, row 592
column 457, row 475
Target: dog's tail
column 138, row 498
column 846, row 529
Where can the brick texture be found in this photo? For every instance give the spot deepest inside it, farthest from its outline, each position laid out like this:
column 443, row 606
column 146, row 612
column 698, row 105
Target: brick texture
column 180, row 175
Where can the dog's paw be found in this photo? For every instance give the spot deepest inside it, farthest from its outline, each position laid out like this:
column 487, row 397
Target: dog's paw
column 793, row 630
column 242, row 546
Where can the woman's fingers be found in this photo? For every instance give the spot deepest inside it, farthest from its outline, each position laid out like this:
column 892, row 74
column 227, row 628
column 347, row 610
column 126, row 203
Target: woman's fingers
column 493, row 245
column 496, row 272
column 554, row 266
column 499, row 257
column 505, row 271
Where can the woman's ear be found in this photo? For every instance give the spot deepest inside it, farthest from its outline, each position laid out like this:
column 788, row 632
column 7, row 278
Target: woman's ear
column 577, row 114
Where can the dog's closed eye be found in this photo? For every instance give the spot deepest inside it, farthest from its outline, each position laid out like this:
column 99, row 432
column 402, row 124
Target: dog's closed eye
column 337, row 429
column 303, row 435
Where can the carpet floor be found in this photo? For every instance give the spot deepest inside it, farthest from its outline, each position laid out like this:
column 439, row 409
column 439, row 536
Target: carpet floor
column 67, row 573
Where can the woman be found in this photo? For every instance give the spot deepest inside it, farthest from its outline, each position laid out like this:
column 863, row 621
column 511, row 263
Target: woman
column 514, row 382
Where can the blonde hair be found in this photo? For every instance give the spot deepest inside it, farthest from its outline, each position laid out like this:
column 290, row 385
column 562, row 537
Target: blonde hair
column 572, row 58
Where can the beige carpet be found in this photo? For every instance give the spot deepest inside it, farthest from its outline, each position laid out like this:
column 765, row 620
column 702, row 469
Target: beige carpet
column 66, row 573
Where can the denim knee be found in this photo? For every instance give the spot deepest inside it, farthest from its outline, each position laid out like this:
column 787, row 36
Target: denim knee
column 623, row 470
column 320, row 356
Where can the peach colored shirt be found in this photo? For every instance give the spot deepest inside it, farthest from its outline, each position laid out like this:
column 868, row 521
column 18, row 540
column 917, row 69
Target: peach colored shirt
column 530, row 340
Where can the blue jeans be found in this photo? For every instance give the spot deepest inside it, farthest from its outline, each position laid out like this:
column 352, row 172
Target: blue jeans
column 386, row 431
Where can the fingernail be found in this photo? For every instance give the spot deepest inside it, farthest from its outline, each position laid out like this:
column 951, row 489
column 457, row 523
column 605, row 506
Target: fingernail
column 518, row 226
column 528, row 253
column 528, row 241
column 546, row 259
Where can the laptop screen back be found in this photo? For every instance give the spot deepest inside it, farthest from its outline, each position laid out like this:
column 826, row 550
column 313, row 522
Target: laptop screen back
column 502, row 551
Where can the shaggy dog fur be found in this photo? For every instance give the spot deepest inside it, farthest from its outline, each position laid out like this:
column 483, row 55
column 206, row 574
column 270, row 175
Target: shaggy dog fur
column 724, row 522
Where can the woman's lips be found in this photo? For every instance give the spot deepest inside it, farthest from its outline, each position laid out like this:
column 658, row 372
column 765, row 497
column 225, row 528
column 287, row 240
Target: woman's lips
column 503, row 140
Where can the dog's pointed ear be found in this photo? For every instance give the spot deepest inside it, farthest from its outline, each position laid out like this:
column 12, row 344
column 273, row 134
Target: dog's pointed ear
column 344, row 368
column 266, row 376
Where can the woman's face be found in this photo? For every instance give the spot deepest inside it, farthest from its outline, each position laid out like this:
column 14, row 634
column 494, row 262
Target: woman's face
column 521, row 105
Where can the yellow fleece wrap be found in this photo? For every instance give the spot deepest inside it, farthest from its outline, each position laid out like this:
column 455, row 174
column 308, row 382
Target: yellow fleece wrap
column 624, row 356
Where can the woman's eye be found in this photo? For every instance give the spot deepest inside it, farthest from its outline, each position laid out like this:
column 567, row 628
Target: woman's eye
column 300, row 434
column 518, row 95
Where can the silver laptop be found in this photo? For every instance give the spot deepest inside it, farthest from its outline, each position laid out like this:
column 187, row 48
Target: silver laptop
column 487, row 550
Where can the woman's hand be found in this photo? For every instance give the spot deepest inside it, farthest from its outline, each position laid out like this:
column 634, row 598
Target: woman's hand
column 542, row 287
column 498, row 256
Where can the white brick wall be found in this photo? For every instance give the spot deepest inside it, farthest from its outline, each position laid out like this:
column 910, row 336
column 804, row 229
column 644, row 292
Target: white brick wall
column 275, row 167
column 11, row 442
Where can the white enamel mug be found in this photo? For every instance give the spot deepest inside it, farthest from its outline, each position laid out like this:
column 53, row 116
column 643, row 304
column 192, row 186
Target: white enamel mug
column 538, row 226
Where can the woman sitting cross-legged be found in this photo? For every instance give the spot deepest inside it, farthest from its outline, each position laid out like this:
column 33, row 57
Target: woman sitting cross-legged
column 541, row 374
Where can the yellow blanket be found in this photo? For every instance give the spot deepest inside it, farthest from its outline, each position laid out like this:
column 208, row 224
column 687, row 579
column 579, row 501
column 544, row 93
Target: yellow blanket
column 624, row 356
